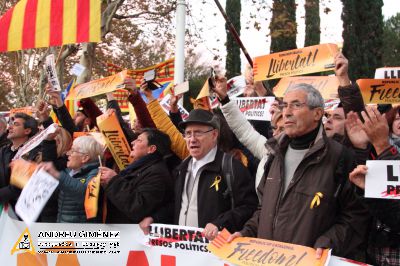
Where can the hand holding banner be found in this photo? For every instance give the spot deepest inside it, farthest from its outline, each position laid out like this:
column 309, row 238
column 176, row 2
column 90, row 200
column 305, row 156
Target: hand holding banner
column 317, row 58
column 260, row 252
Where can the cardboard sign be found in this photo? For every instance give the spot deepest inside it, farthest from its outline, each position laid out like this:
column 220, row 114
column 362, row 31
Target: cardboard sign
column 111, row 129
column 312, row 59
column 255, row 108
column 382, row 179
column 245, row 250
column 51, row 72
column 97, row 87
column 387, row 73
column 167, row 107
column 326, row 85
column 26, row 110
column 21, row 172
column 35, row 195
column 380, row 90
column 77, row 70
column 35, row 141
column 181, row 88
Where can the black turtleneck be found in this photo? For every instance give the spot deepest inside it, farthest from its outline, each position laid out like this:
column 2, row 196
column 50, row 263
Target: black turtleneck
column 305, row 141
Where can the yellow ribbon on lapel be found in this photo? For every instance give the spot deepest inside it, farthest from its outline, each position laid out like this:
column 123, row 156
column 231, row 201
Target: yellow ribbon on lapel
column 316, row 200
column 216, row 182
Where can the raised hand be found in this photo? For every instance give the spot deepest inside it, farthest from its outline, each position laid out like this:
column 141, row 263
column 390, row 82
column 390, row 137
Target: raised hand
column 355, row 131
column 221, row 87
column 342, row 69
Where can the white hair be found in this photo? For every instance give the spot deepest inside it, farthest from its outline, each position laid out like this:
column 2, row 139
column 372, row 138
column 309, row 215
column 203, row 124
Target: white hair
column 89, row 145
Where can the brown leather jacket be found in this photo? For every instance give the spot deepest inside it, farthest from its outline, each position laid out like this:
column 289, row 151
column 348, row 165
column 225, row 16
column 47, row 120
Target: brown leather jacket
column 339, row 222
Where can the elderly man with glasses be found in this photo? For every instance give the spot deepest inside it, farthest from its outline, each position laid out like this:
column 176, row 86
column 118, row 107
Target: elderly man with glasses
column 202, row 194
column 306, row 196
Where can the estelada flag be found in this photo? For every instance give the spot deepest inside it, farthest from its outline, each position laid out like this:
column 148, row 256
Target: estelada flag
column 43, row 23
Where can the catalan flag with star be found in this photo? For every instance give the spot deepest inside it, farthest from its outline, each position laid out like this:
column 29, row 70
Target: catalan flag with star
column 44, row 23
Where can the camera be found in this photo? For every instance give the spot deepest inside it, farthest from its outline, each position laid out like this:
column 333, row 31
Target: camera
column 150, row 77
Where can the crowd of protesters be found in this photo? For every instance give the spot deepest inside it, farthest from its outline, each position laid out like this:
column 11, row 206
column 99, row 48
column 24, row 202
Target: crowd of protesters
column 298, row 179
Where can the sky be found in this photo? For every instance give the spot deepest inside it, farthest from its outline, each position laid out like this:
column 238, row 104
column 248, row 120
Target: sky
column 256, row 42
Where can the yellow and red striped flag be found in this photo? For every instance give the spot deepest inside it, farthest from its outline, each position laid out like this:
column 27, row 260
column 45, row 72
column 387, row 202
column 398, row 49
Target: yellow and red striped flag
column 43, row 23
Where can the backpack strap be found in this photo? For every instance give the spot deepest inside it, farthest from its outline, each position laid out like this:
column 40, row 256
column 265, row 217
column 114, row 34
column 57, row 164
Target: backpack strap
column 227, row 172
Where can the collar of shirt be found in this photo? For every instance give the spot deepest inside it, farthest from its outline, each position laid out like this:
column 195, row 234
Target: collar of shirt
column 197, row 164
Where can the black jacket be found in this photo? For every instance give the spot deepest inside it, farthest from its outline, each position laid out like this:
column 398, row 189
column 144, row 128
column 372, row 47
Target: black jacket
column 213, row 206
column 138, row 191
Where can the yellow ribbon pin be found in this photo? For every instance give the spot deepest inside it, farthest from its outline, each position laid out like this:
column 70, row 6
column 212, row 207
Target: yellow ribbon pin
column 316, row 200
column 216, row 182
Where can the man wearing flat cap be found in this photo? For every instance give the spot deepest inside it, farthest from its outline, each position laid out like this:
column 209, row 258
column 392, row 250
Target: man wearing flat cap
column 203, row 197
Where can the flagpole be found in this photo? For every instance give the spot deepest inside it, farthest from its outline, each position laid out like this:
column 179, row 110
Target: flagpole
column 234, row 33
column 180, row 42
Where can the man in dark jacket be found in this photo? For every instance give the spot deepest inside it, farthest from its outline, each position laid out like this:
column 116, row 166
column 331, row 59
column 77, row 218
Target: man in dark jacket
column 384, row 236
column 202, row 193
column 307, row 199
column 22, row 127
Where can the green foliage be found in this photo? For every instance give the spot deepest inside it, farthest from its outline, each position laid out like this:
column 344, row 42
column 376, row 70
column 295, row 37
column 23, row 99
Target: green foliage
column 233, row 65
column 391, row 42
column 283, row 27
column 312, row 21
column 362, row 35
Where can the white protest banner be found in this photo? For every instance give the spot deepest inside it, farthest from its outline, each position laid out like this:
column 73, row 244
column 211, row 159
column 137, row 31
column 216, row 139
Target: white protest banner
column 331, row 104
column 103, row 244
column 35, row 195
column 382, row 179
column 387, row 73
column 51, row 72
column 166, row 107
column 235, row 88
column 77, row 70
column 181, row 88
column 35, row 141
column 255, row 108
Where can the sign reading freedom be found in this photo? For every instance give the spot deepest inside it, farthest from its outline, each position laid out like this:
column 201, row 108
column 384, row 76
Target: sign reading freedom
column 317, row 58
column 258, row 252
column 380, row 90
column 97, row 87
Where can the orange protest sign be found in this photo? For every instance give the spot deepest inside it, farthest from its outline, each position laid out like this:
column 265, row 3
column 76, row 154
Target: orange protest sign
column 115, row 139
column 317, row 58
column 97, row 87
column 380, row 90
column 92, row 197
column 26, row 110
column 21, row 171
column 326, row 85
column 257, row 252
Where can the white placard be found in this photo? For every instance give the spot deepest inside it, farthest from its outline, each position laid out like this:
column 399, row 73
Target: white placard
column 77, row 70
column 181, row 88
column 51, row 72
column 387, row 73
column 35, row 195
column 255, row 108
column 167, row 107
column 382, row 179
column 236, row 86
column 35, row 141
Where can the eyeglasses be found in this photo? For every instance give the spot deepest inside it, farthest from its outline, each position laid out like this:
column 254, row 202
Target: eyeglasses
column 293, row 106
column 196, row 134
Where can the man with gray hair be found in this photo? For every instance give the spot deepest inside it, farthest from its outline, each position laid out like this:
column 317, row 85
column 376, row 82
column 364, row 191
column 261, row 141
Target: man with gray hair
column 306, row 196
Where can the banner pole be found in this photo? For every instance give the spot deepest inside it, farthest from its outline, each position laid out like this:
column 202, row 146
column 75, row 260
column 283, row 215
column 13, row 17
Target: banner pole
column 234, row 33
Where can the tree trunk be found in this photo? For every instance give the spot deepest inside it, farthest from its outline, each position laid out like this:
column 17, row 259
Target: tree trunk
column 312, row 21
column 233, row 64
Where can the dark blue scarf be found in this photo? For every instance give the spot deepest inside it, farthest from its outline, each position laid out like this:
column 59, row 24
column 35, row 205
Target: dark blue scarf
column 139, row 163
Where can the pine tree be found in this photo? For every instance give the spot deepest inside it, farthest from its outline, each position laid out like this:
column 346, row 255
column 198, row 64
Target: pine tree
column 391, row 42
column 312, row 21
column 362, row 35
column 283, row 27
column 233, row 65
